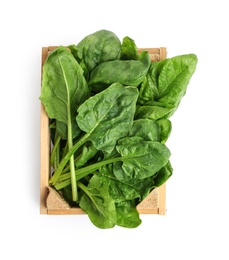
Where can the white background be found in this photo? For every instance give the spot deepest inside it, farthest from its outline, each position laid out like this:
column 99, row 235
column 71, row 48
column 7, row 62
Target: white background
column 196, row 224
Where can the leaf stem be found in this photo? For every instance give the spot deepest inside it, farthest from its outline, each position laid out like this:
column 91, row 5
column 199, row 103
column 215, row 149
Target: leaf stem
column 55, row 151
column 83, row 172
column 54, row 179
column 72, row 169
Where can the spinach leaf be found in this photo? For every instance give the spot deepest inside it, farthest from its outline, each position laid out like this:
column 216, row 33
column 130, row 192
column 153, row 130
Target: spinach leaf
column 167, row 81
column 100, row 46
column 148, row 90
column 127, row 214
column 98, row 204
column 142, row 158
column 145, row 128
column 88, row 152
column 62, row 129
column 126, row 72
column 163, row 174
column 175, row 74
column 154, row 110
column 108, row 116
column 129, row 50
column 63, row 90
column 165, row 129
column 129, row 189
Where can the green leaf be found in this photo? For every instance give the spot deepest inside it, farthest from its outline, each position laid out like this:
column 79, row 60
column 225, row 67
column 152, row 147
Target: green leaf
column 165, row 129
column 88, row 152
column 62, row 129
column 108, row 116
column 98, row 204
column 127, row 214
column 175, row 74
column 129, row 49
column 129, row 189
column 64, row 88
column 148, row 90
column 126, row 72
column 100, row 46
column 147, row 129
column 166, row 83
column 141, row 159
column 154, row 110
column 163, row 174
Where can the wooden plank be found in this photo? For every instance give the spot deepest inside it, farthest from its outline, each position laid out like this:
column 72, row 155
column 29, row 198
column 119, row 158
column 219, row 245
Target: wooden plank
column 162, row 200
column 148, row 211
column 79, row 211
column 162, row 189
column 72, row 211
column 51, row 48
column 163, row 53
column 150, row 50
column 44, row 149
column 44, row 160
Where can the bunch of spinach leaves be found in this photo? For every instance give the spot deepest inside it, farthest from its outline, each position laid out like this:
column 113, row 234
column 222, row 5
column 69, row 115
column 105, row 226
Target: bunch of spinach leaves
column 109, row 110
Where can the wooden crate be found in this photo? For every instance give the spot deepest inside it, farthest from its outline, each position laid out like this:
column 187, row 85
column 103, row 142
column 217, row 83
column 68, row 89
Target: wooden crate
column 50, row 201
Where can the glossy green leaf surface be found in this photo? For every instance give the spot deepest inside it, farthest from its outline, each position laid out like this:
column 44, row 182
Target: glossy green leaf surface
column 98, row 204
column 129, row 50
column 108, row 115
column 142, row 158
column 63, row 88
column 95, row 48
column 166, row 83
column 126, row 72
column 127, row 214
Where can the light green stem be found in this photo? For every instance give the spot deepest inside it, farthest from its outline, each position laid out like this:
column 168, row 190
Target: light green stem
column 55, row 152
column 72, row 169
column 54, row 179
column 83, row 172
